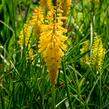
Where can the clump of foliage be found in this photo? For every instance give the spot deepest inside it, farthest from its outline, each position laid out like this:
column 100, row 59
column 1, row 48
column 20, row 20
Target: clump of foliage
column 54, row 54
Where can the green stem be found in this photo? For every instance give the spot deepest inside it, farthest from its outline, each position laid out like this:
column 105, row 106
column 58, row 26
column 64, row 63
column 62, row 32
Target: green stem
column 100, row 88
column 53, row 96
column 91, row 29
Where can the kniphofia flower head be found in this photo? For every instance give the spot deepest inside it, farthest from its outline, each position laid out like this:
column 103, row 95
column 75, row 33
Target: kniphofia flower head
column 98, row 53
column 37, row 20
column 46, row 4
column 65, row 5
column 24, row 37
column 52, row 46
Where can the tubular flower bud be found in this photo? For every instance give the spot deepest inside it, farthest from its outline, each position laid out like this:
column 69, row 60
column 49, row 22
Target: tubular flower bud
column 52, row 47
column 98, row 53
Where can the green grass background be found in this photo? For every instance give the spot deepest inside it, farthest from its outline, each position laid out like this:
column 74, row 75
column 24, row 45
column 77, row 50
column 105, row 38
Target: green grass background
column 24, row 85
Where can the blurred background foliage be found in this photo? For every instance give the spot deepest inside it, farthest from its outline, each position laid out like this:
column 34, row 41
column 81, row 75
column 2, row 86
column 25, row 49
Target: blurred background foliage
column 24, row 85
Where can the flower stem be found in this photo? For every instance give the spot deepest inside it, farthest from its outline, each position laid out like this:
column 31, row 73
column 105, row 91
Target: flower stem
column 53, row 96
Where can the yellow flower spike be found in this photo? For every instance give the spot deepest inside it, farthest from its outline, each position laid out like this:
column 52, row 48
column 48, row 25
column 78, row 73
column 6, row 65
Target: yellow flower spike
column 65, row 8
column 37, row 21
column 52, row 47
column 66, row 4
column 46, row 4
column 98, row 53
column 85, row 48
column 25, row 35
column 101, row 56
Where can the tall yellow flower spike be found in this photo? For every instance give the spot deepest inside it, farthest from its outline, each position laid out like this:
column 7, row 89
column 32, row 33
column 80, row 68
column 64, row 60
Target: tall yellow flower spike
column 65, row 7
column 52, row 47
column 98, row 53
column 37, row 20
column 24, row 37
column 46, row 4
column 66, row 4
